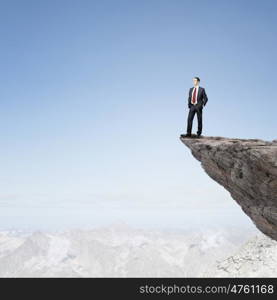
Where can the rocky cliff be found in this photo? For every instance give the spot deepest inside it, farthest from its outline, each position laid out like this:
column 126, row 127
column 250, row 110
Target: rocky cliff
column 247, row 168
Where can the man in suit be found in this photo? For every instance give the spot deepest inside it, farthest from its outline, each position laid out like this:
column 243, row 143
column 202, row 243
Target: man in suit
column 196, row 101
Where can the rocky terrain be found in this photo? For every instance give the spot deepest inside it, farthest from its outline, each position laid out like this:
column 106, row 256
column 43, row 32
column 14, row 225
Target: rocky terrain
column 256, row 258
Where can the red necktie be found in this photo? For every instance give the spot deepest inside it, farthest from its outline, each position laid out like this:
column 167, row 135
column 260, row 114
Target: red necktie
column 194, row 96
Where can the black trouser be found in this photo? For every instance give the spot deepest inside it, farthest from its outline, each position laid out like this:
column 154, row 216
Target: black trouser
column 195, row 109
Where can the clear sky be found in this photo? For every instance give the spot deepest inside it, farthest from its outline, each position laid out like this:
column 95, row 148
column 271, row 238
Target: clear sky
column 94, row 98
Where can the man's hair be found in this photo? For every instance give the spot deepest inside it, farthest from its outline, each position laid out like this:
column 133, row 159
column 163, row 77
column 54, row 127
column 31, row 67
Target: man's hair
column 198, row 79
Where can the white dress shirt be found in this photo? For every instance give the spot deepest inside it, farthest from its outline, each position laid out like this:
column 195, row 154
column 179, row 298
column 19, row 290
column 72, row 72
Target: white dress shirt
column 197, row 87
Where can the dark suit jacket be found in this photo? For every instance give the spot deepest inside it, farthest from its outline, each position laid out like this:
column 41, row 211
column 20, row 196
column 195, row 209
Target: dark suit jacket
column 202, row 98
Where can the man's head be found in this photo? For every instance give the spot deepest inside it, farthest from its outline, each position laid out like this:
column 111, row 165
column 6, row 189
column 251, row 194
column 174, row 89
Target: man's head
column 196, row 81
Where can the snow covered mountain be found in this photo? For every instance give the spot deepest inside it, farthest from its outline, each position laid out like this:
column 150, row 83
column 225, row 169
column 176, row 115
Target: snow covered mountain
column 256, row 258
column 122, row 251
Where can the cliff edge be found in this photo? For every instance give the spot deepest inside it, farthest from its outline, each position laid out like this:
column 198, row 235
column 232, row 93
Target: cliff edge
column 247, row 168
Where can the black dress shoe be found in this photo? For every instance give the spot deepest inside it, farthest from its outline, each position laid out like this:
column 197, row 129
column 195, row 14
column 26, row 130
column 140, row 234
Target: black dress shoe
column 199, row 135
column 186, row 135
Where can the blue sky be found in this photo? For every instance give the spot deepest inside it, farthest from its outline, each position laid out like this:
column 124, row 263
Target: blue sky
column 94, row 98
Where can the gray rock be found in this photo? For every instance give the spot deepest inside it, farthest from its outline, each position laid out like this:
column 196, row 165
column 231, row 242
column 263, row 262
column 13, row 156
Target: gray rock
column 247, row 168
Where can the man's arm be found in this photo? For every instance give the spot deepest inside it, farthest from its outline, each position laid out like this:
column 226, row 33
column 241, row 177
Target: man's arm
column 205, row 97
column 189, row 100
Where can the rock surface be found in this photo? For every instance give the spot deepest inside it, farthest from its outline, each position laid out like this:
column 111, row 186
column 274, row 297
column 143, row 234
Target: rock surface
column 247, row 168
column 256, row 258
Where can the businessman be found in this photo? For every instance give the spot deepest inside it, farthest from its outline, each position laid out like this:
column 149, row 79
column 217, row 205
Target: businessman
column 196, row 101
